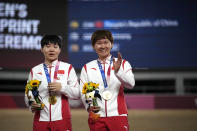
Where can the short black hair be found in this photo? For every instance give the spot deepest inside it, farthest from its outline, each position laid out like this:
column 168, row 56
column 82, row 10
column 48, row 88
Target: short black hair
column 47, row 39
column 101, row 34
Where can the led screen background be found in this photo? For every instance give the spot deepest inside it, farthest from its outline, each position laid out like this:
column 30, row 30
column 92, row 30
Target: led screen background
column 22, row 25
column 150, row 34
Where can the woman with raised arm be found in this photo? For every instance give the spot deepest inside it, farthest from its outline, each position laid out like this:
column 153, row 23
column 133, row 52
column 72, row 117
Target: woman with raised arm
column 102, row 83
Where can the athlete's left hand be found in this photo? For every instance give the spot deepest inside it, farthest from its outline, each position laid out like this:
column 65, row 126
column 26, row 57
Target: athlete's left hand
column 117, row 64
column 54, row 86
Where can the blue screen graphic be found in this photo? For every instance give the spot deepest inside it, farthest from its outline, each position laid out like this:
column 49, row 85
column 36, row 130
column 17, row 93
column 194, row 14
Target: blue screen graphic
column 149, row 34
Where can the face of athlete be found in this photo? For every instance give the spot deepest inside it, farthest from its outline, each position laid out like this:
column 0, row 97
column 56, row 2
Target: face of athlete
column 51, row 52
column 103, row 48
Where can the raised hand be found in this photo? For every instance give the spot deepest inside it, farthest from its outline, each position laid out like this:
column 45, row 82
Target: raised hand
column 117, row 64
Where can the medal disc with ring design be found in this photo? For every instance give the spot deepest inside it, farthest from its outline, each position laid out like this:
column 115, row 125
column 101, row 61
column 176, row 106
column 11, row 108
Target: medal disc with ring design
column 107, row 95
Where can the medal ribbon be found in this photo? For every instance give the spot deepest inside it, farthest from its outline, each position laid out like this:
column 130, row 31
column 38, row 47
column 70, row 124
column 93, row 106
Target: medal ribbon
column 47, row 73
column 103, row 73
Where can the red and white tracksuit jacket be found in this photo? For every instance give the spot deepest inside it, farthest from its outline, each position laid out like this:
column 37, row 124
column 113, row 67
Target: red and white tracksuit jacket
column 116, row 106
column 67, row 77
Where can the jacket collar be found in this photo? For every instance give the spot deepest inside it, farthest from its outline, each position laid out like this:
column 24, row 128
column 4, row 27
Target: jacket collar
column 107, row 61
column 53, row 63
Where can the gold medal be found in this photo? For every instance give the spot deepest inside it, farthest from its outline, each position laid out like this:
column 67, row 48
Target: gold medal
column 52, row 100
column 107, row 95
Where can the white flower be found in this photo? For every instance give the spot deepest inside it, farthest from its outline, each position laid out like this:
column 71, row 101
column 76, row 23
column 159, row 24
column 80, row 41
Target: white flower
column 90, row 95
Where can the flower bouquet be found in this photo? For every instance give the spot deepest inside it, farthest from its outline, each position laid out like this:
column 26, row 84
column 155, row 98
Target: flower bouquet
column 31, row 90
column 91, row 92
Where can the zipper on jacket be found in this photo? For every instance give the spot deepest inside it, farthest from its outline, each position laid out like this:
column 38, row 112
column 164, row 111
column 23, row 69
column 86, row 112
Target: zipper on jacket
column 105, row 100
column 105, row 108
column 49, row 96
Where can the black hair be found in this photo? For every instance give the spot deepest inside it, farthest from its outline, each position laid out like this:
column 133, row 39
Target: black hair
column 101, row 34
column 54, row 39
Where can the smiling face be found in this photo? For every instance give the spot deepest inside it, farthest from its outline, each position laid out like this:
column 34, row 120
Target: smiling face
column 103, row 48
column 51, row 52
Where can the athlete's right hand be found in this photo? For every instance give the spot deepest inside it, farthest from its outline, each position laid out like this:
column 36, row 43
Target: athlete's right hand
column 35, row 106
column 94, row 109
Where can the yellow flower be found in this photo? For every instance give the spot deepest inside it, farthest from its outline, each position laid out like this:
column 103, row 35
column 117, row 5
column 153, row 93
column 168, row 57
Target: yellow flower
column 91, row 84
column 84, row 90
column 27, row 88
column 42, row 106
column 96, row 85
column 34, row 83
column 88, row 87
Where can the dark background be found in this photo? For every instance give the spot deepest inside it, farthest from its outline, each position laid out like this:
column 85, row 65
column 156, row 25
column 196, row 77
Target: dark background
column 53, row 20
